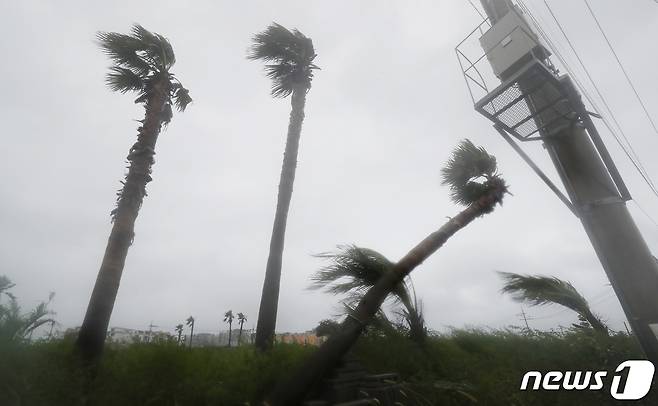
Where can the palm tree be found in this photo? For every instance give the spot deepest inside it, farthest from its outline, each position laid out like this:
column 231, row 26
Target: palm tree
column 290, row 56
column 354, row 270
column 179, row 330
column 190, row 323
column 228, row 318
column 474, row 182
column 142, row 62
column 543, row 290
column 241, row 319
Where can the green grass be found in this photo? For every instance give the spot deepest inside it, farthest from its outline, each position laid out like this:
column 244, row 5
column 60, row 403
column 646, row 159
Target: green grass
column 468, row 364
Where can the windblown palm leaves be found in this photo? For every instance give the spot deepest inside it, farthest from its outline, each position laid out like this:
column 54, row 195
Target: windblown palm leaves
column 472, row 173
column 291, row 56
column 353, row 270
column 543, row 290
column 141, row 59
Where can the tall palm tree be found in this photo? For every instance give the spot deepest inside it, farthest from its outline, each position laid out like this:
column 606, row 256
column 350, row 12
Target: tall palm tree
column 228, row 318
column 179, row 330
column 290, row 56
column 241, row 319
column 353, row 270
column 474, row 182
column 142, row 62
column 543, row 290
column 190, row 323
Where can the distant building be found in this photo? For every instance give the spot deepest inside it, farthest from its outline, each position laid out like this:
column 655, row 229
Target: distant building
column 305, row 338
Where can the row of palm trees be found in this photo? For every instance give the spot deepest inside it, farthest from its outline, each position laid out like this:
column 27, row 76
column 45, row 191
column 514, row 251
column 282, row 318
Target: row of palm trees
column 228, row 318
column 142, row 63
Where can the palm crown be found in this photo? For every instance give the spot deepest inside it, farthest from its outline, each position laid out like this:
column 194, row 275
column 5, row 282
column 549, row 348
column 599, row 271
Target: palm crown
column 290, row 54
column 542, row 290
column 228, row 316
column 472, row 173
column 140, row 59
column 242, row 318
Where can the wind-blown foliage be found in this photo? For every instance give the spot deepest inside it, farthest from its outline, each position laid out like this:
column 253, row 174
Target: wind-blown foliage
column 14, row 325
column 543, row 290
column 291, row 55
column 353, row 270
column 470, row 173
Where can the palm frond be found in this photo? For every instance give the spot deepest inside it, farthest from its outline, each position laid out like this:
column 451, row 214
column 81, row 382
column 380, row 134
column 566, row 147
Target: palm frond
column 353, row 270
column 290, row 55
column 471, row 172
column 181, row 97
column 542, row 290
column 155, row 46
column 123, row 80
column 125, row 51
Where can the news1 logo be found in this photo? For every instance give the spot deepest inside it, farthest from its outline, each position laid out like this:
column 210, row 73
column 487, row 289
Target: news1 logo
column 631, row 380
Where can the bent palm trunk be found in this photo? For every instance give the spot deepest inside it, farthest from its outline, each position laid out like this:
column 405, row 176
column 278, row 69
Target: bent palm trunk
column 91, row 337
column 293, row 390
column 270, row 296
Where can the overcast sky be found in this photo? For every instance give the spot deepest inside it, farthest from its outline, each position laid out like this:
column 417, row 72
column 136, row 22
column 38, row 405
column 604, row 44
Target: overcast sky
column 381, row 118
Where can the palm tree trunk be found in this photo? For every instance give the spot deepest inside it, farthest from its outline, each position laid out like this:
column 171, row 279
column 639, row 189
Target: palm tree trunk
column 91, row 337
column 240, row 334
column 191, row 334
column 293, row 390
column 270, row 297
column 229, row 333
column 595, row 322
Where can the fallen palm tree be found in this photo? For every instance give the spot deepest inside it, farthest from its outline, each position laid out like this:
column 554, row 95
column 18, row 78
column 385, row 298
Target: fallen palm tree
column 474, row 182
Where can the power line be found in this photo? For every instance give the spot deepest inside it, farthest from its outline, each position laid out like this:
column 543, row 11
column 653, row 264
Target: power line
column 628, row 79
column 556, row 49
column 638, row 165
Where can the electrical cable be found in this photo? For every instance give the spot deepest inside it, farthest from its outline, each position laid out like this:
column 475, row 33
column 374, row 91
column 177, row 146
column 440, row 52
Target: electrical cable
column 628, row 79
column 638, row 165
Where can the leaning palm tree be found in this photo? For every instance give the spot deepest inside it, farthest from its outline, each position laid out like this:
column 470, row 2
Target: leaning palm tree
column 474, row 182
column 142, row 62
column 543, row 290
column 353, row 270
column 290, row 56
column 190, row 323
column 241, row 319
column 179, row 330
column 228, row 318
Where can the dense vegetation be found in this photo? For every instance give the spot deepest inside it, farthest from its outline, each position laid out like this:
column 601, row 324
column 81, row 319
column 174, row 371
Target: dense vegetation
column 452, row 369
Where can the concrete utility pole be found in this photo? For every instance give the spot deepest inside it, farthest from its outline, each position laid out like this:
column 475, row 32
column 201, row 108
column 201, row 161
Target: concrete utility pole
column 556, row 113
